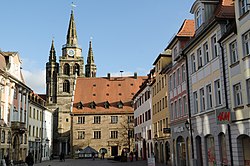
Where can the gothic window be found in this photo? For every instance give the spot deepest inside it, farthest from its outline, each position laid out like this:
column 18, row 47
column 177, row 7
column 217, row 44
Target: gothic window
column 66, row 69
column 66, row 86
column 77, row 69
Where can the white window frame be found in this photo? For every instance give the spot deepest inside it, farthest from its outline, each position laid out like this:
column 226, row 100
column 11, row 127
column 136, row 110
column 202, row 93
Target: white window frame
column 113, row 134
column 199, row 57
column 202, row 100
column 248, row 90
column 217, row 91
column 184, row 105
column 178, row 77
column 209, row 96
column 206, row 53
column 214, row 46
column 180, row 107
column 81, row 134
column 193, row 61
column 243, row 6
column 233, row 52
column 183, row 73
column 198, row 17
column 97, row 135
column 246, row 43
column 114, row 119
column 195, row 102
column 237, row 95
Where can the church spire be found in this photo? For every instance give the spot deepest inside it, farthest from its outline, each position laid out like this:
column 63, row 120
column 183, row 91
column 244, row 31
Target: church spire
column 90, row 59
column 72, row 36
column 52, row 53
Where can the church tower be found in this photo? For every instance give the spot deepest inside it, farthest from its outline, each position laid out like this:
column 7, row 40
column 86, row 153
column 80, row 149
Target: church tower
column 51, row 76
column 90, row 67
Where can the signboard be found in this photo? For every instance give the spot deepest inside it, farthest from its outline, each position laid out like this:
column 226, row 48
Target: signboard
column 178, row 129
column 151, row 161
column 223, row 116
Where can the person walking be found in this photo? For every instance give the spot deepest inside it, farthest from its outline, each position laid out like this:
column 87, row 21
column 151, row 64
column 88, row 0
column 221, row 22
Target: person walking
column 131, row 156
column 29, row 159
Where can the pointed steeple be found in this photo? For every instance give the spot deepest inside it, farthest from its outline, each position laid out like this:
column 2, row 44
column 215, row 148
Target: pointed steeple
column 90, row 59
column 72, row 36
column 52, row 53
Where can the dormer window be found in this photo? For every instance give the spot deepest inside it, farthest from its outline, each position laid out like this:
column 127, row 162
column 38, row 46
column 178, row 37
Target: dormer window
column 106, row 105
column 92, row 105
column 244, row 7
column 120, row 104
column 79, row 105
column 198, row 17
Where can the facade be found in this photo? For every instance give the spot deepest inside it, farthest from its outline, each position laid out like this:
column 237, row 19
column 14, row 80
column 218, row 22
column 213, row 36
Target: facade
column 236, row 46
column 160, row 116
column 14, row 108
column 143, row 120
column 60, row 79
column 207, row 83
column 178, row 97
column 102, row 114
column 36, row 120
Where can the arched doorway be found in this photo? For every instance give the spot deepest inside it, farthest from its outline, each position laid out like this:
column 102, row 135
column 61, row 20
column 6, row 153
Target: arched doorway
column 15, row 152
column 210, row 150
column 156, row 152
column 167, row 153
column 144, row 156
column 162, row 152
column 243, row 142
column 199, row 150
column 181, row 151
column 223, row 149
column 151, row 149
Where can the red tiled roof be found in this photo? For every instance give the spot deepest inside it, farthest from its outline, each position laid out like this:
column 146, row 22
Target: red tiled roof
column 225, row 9
column 187, row 29
column 102, row 89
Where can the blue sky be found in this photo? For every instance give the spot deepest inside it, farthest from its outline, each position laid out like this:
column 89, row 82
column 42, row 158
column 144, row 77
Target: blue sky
column 127, row 35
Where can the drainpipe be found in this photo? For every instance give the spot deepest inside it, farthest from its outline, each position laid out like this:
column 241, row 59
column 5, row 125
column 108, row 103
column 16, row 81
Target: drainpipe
column 226, row 102
column 189, row 113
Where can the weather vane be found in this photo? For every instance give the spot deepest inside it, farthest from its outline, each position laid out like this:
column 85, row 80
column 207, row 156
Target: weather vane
column 73, row 5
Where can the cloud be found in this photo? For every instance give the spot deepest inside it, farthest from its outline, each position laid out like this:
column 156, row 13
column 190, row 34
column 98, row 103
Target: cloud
column 35, row 80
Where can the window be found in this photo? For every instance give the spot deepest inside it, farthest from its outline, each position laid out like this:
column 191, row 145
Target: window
column 183, row 73
column 81, row 120
column 172, row 111
column 180, row 107
column 193, row 63
column 130, row 119
column 29, row 130
column 206, row 53
column 81, row 134
column 248, row 90
column 198, row 18
column 202, row 99
column 214, row 46
column 3, row 136
column 114, row 134
column 243, row 5
column 175, row 109
column 217, row 88
column 209, row 96
column 33, row 134
column 178, row 76
column 195, row 98
column 97, row 134
column 246, row 43
column 76, row 69
column 114, row 119
column 92, row 105
column 66, row 86
column 97, row 119
column 199, row 57
column 174, row 85
column 170, row 84
column 34, row 113
column 237, row 95
column 106, row 105
column 66, row 69
column 120, row 104
column 233, row 52
column 175, row 52
column 185, row 105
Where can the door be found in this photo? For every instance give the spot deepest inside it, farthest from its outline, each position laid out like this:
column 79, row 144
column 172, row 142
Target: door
column 114, row 150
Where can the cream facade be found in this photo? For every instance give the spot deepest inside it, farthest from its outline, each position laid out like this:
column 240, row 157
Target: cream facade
column 160, row 112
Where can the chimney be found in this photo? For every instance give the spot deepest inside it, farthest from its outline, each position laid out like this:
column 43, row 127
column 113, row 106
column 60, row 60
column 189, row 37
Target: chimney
column 108, row 75
column 135, row 75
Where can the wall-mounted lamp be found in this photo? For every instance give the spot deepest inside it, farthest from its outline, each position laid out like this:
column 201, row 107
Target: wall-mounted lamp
column 187, row 125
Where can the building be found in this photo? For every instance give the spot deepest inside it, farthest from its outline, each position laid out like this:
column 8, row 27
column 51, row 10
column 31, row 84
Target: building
column 102, row 114
column 160, row 116
column 36, row 124
column 60, row 78
column 178, row 97
column 207, row 83
column 143, row 120
column 13, row 108
column 236, row 50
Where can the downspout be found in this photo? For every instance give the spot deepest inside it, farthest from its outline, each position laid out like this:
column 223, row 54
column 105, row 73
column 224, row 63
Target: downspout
column 189, row 112
column 226, row 102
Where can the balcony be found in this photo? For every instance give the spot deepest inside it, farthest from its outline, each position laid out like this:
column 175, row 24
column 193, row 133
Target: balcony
column 18, row 127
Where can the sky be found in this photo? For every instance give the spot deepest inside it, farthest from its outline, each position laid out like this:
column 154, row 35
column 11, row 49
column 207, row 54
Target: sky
column 127, row 35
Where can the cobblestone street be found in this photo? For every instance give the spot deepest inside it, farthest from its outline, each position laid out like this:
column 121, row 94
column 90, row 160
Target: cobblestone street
column 90, row 162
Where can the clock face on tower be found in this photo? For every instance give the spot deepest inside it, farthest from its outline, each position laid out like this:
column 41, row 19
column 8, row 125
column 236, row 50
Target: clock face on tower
column 71, row 52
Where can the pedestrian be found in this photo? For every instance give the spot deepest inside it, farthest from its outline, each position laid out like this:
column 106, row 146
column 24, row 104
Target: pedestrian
column 103, row 155
column 136, row 155
column 131, row 156
column 7, row 160
column 62, row 156
column 29, row 159
column 93, row 155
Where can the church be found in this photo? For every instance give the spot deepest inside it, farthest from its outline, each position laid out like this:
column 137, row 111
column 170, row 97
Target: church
column 88, row 111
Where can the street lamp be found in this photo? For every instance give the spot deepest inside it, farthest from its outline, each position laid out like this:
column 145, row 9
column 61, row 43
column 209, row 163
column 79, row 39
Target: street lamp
column 187, row 125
